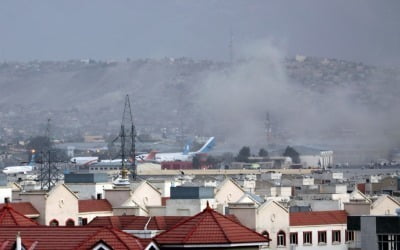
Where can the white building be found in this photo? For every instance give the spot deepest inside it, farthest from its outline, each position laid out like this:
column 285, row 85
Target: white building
column 88, row 186
column 319, row 230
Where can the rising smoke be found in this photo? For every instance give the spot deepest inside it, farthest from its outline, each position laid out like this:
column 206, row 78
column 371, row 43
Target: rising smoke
column 337, row 116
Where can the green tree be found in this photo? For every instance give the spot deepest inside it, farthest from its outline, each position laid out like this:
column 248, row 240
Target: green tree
column 263, row 153
column 293, row 154
column 244, row 154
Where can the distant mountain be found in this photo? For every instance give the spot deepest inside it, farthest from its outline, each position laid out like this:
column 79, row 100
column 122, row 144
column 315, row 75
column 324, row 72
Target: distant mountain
column 305, row 96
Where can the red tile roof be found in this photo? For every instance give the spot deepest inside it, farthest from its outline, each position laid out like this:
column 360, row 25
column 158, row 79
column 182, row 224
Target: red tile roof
column 24, row 208
column 132, row 222
column 60, row 238
column 318, row 218
column 10, row 217
column 210, row 227
column 87, row 206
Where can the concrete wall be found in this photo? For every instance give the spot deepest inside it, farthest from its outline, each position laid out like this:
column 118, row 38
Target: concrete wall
column 145, row 195
column 157, row 211
column 91, row 216
column 87, row 191
column 126, row 211
column 5, row 192
column 357, row 208
column 228, row 192
column 333, row 189
column 272, row 218
column 37, row 199
column 118, row 196
column 279, row 191
column 245, row 213
column 369, row 239
column 384, row 206
column 164, row 186
column 187, row 207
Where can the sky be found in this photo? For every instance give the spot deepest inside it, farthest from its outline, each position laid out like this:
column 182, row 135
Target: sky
column 358, row 30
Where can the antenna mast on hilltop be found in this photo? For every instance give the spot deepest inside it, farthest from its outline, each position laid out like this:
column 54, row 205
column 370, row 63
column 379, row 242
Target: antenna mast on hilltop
column 127, row 135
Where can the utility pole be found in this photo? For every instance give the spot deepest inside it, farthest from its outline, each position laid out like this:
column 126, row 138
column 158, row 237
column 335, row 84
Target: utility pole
column 49, row 174
column 127, row 136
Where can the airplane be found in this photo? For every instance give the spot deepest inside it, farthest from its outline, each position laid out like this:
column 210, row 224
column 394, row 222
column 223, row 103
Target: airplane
column 139, row 158
column 21, row 169
column 84, row 160
column 186, row 155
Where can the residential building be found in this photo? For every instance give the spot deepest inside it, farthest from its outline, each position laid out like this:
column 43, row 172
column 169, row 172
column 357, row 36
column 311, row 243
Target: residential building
column 318, row 230
column 58, row 207
column 134, row 199
column 270, row 219
column 227, row 191
column 90, row 209
column 88, row 186
column 188, row 201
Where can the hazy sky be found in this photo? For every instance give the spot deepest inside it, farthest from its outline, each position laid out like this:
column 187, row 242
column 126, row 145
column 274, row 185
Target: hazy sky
column 367, row 31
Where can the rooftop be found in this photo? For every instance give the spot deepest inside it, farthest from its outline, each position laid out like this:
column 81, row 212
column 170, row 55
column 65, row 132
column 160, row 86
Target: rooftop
column 318, row 218
column 210, row 227
column 25, row 208
column 87, row 206
column 41, row 237
column 10, row 217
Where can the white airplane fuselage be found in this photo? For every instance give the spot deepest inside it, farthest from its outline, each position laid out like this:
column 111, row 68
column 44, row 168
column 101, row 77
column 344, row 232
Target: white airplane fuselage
column 85, row 160
column 180, row 156
column 17, row 169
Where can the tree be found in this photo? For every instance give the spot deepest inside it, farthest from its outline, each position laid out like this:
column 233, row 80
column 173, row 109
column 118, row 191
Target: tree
column 263, row 153
column 293, row 154
column 243, row 155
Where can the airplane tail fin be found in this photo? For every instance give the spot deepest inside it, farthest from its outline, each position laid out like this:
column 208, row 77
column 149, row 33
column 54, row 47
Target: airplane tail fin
column 32, row 162
column 207, row 146
column 151, row 156
column 186, row 149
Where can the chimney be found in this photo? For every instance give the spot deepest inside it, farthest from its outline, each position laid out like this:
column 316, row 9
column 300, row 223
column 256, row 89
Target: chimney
column 18, row 242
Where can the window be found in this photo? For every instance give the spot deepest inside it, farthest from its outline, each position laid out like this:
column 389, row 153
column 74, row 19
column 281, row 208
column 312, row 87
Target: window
column 281, row 238
column 70, row 223
column 349, row 236
column 84, row 221
column 321, row 237
column 388, row 241
column 336, row 236
column 266, row 235
column 307, row 238
column 54, row 223
column 293, row 239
